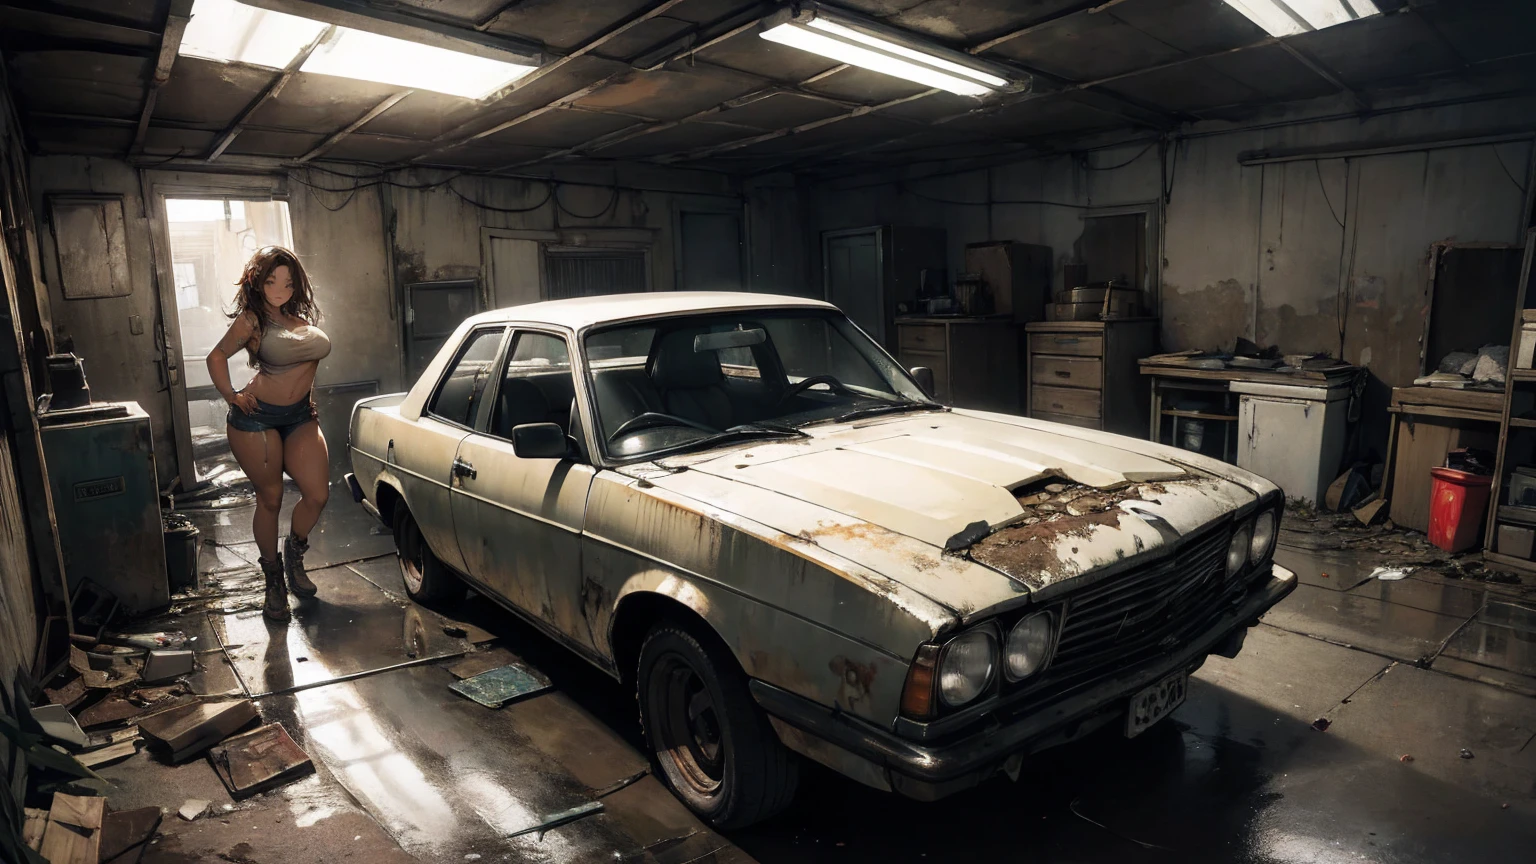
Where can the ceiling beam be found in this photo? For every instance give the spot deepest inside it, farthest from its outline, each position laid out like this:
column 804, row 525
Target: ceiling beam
column 861, row 111
column 588, row 47
column 327, row 144
column 459, row 136
column 77, row 26
column 1324, row 73
column 170, row 43
column 702, row 37
column 1090, row 8
column 271, row 90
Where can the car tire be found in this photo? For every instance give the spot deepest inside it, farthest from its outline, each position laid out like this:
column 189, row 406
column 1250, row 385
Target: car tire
column 714, row 746
column 426, row 578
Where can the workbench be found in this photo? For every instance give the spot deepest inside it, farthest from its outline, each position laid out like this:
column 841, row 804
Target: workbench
column 1286, row 426
column 1438, row 420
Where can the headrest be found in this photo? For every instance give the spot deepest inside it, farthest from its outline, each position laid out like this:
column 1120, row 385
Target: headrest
column 677, row 366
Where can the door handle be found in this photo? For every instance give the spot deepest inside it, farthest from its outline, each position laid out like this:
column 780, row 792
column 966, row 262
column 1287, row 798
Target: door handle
column 463, row 469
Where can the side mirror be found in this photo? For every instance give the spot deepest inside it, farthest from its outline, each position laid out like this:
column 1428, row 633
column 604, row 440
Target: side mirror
column 924, row 377
column 540, row 441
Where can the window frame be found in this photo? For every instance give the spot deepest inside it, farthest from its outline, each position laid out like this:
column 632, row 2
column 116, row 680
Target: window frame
column 428, row 407
column 513, row 332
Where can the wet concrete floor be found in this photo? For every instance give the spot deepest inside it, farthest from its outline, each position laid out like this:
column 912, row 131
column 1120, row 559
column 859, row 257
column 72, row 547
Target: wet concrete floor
column 1404, row 675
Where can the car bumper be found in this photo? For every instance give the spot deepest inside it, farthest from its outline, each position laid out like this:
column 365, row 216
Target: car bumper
column 358, row 496
column 931, row 771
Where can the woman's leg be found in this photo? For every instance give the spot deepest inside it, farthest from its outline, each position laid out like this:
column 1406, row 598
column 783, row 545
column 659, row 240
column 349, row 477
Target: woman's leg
column 308, row 462
column 260, row 455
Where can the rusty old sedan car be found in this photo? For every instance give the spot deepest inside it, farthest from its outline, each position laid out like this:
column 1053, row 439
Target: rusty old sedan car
column 744, row 508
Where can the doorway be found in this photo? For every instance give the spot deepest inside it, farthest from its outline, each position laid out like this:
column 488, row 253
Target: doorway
column 210, row 240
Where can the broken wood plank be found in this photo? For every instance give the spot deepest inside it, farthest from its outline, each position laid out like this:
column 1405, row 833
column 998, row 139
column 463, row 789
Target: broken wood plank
column 259, row 760
column 34, row 826
column 123, row 830
column 110, row 753
column 73, row 835
column 191, row 729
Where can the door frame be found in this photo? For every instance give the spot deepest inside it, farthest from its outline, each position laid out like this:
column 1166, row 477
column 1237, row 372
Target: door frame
column 710, row 207
column 158, row 186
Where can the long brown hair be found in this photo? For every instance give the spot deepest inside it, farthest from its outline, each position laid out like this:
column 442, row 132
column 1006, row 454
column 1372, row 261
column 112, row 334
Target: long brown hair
column 250, row 299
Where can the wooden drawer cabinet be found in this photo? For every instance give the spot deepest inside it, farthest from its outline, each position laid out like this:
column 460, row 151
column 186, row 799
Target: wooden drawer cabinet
column 975, row 361
column 1084, row 373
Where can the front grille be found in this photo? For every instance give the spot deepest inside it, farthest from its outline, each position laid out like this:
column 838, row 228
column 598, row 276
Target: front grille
column 1146, row 612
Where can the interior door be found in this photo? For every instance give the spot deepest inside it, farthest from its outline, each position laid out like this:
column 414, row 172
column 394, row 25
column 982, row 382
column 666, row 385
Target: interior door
column 711, row 252
column 433, row 310
column 519, row 521
column 852, row 272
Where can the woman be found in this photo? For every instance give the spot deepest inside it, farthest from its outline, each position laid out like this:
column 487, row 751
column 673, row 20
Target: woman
column 272, row 424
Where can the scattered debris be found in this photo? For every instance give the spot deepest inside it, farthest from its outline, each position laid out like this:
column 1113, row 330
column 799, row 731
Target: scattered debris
column 73, row 834
column 564, row 817
column 1391, row 574
column 1321, row 724
column 123, row 830
column 258, row 760
column 481, row 661
column 108, row 754
column 501, row 685
column 173, row 639
column 456, row 632
column 69, row 694
column 1405, row 758
column 190, row 729
column 193, row 808
column 1368, row 512
column 166, row 665
column 36, row 822
column 59, row 724
column 623, row 784
column 1465, row 753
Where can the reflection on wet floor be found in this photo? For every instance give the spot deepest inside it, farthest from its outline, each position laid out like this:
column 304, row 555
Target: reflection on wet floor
column 1502, row 636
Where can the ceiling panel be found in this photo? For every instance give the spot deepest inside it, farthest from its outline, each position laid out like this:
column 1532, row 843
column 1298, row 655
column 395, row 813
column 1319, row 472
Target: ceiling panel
column 709, row 11
column 644, row 36
column 561, row 24
column 1034, row 118
column 320, row 102
column 1191, row 26
column 963, row 22
column 843, row 132
column 750, row 53
column 466, row 11
column 937, row 106
column 60, row 137
column 862, row 85
column 271, row 142
column 373, row 148
column 202, row 91
column 142, row 13
column 485, row 157
column 1484, row 30
column 1380, row 48
column 781, row 111
column 1273, row 72
column 1087, row 47
column 559, row 128
column 678, row 139
column 671, row 94
column 163, row 141
column 1186, row 87
column 79, row 82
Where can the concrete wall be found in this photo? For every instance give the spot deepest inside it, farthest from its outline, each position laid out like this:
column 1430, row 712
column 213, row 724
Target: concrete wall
column 1255, row 251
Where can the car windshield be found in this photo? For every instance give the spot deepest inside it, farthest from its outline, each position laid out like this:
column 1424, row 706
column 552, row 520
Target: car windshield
column 662, row 386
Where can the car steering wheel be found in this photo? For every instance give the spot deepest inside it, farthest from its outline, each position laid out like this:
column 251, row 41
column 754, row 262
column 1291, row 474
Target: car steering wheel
column 652, row 419
column 801, row 386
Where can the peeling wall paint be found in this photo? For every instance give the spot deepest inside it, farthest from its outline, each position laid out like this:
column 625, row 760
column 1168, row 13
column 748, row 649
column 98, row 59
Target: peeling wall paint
column 1281, row 253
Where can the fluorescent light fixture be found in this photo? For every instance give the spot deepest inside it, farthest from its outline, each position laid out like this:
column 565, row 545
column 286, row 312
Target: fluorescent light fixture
column 371, row 57
column 1289, row 17
column 227, row 31
column 870, row 46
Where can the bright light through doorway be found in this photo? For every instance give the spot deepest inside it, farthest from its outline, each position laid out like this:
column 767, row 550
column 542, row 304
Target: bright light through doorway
column 1289, row 17
column 228, row 31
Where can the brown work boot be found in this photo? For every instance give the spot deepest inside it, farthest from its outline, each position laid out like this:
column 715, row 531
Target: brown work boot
column 293, row 566
column 275, row 608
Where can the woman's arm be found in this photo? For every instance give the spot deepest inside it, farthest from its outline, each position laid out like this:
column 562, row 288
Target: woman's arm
column 236, row 337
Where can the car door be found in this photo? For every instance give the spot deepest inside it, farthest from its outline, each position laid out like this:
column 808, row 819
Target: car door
column 424, row 462
column 519, row 521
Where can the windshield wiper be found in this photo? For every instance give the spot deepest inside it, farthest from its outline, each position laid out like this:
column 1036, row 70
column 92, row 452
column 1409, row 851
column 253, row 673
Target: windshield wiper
column 743, row 432
column 876, row 410
column 767, row 426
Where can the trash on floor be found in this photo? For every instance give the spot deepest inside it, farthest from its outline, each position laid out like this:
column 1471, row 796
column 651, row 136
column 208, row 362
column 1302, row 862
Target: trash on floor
column 1391, row 574
column 501, row 685
column 127, row 704
column 35, row 822
column 190, row 729
column 482, row 661
column 73, row 834
column 149, row 641
column 105, row 670
column 59, row 724
column 258, row 760
column 124, row 830
column 564, row 817
column 108, row 754
column 193, row 808
column 166, row 665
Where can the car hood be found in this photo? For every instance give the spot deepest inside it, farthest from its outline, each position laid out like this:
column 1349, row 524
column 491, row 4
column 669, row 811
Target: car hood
column 931, row 485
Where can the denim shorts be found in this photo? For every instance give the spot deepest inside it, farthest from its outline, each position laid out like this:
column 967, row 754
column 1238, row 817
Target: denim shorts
column 284, row 418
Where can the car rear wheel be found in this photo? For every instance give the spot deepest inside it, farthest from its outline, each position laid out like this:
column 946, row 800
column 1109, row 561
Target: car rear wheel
column 426, row 578
column 715, row 747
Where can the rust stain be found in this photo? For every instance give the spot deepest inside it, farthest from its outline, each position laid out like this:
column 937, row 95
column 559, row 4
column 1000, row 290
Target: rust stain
column 1029, row 552
column 855, row 680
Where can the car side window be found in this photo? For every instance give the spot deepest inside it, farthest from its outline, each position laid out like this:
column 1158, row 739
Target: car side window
column 459, row 397
column 536, row 386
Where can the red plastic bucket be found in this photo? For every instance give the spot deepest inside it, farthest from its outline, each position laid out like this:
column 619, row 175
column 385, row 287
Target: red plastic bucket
column 1457, row 502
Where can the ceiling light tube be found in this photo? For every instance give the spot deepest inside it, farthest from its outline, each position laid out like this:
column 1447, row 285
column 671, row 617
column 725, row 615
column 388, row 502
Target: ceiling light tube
column 847, row 39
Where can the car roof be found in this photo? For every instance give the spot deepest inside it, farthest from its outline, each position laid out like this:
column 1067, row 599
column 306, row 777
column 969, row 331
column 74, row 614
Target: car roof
column 579, row 312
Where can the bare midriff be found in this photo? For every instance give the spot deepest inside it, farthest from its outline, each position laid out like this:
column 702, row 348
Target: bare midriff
column 286, row 387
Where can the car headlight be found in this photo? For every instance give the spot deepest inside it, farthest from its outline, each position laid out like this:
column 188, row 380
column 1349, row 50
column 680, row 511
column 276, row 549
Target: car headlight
column 966, row 668
column 1237, row 550
column 1029, row 645
column 1263, row 535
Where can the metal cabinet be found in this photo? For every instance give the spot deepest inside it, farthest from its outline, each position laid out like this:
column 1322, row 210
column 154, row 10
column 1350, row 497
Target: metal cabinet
column 975, row 360
column 1294, row 436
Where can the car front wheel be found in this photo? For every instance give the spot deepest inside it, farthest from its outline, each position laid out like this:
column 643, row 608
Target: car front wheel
column 715, row 747
column 426, row 578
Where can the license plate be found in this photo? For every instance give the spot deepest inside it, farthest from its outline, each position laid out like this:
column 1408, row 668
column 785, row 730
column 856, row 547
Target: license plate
column 1155, row 703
